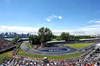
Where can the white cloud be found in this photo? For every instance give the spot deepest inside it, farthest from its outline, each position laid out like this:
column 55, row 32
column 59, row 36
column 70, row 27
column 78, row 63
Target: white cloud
column 97, row 21
column 90, row 21
column 28, row 30
column 94, row 21
column 75, row 32
column 17, row 29
column 90, row 28
column 53, row 17
column 60, row 17
column 48, row 20
column 97, row 12
column 58, row 32
column 87, row 30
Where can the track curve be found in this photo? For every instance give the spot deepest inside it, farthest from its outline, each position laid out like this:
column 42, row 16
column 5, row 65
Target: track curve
column 25, row 48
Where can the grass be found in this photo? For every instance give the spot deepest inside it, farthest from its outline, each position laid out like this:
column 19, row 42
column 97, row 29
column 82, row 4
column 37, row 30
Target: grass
column 51, row 57
column 29, row 45
column 79, row 45
column 5, row 56
column 22, row 53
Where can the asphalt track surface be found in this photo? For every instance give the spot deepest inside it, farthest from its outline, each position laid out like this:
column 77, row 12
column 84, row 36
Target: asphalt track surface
column 25, row 48
column 70, row 50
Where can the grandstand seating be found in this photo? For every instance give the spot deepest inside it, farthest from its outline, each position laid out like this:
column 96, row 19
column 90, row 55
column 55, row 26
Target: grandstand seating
column 5, row 44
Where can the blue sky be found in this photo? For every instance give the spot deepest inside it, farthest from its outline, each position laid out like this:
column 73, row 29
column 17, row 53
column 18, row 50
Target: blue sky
column 58, row 15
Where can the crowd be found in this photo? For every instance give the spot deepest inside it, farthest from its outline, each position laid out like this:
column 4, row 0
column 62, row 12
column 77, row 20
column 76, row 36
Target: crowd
column 93, row 60
column 19, row 62
column 5, row 44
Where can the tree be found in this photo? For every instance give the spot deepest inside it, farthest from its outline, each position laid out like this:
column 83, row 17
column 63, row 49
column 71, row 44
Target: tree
column 44, row 34
column 34, row 39
column 16, row 39
column 72, row 37
column 54, row 36
column 82, row 37
column 65, row 36
column 31, row 38
column 58, row 38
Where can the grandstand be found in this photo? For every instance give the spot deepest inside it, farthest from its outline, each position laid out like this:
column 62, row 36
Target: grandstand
column 5, row 45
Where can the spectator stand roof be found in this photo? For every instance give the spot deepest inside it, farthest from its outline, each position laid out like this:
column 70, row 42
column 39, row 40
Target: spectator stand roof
column 62, row 41
column 97, row 46
column 89, row 39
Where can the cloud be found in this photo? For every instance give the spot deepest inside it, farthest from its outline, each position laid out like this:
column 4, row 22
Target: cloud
column 48, row 20
column 17, row 29
column 97, row 12
column 58, row 32
column 97, row 21
column 90, row 21
column 94, row 21
column 75, row 32
column 53, row 17
column 60, row 17
column 90, row 28
column 28, row 30
column 86, row 33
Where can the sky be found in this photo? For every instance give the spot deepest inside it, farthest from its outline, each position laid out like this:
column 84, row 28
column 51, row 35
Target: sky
column 58, row 15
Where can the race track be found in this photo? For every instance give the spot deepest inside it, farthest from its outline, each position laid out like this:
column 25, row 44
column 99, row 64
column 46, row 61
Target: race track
column 25, row 48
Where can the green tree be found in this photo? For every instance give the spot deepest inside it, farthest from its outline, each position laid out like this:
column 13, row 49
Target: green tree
column 16, row 39
column 82, row 37
column 54, row 36
column 65, row 36
column 58, row 38
column 45, row 34
column 34, row 39
column 72, row 37
column 31, row 38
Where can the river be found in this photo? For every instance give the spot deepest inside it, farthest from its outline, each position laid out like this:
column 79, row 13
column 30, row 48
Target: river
column 13, row 38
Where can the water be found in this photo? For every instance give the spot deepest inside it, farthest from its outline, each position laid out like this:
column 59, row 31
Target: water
column 13, row 38
column 8, row 38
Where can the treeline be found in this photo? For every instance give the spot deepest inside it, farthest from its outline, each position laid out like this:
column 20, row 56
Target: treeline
column 45, row 34
column 83, row 37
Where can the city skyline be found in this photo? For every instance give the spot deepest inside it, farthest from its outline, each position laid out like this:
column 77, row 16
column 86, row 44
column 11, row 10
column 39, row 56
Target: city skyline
column 72, row 16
